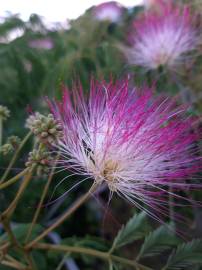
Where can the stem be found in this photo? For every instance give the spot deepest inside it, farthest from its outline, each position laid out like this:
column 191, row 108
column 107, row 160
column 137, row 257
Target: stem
column 12, row 265
column 9, row 232
column 8, row 212
column 1, row 130
column 71, row 210
column 91, row 252
column 11, row 259
column 60, row 265
column 34, row 220
column 4, row 246
column 30, row 260
column 17, row 247
column 13, row 179
column 15, row 157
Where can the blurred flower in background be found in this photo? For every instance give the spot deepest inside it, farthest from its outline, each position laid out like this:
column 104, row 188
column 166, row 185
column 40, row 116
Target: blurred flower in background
column 45, row 43
column 108, row 11
column 163, row 37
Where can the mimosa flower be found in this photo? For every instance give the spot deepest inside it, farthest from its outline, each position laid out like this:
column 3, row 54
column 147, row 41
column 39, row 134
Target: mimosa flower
column 109, row 11
column 163, row 37
column 139, row 145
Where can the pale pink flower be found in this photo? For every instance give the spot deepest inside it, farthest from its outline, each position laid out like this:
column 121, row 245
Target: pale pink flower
column 109, row 11
column 163, row 37
column 42, row 43
column 139, row 145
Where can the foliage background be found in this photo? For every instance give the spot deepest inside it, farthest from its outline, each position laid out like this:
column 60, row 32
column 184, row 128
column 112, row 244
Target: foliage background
column 88, row 48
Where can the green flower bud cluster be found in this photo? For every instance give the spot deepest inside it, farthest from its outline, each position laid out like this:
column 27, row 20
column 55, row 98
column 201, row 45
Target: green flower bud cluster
column 14, row 141
column 6, row 149
column 40, row 160
column 46, row 128
column 4, row 112
column 11, row 144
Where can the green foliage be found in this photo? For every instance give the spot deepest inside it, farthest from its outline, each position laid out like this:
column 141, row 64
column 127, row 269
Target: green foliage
column 186, row 255
column 158, row 241
column 40, row 260
column 136, row 228
column 20, row 231
column 162, row 239
column 87, row 48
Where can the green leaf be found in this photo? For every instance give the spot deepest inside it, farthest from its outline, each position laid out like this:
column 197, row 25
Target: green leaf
column 186, row 255
column 158, row 241
column 136, row 228
column 40, row 260
column 20, row 231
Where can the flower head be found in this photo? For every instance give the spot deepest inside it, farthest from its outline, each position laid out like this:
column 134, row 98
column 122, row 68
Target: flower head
column 109, row 11
column 138, row 145
column 163, row 37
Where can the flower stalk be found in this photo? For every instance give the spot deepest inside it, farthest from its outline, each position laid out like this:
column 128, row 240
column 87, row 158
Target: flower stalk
column 15, row 157
column 13, row 179
column 91, row 252
column 9, row 211
column 72, row 209
column 1, row 130
column 38, row 209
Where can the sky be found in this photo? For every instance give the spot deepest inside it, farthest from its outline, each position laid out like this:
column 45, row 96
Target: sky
column 53, row 11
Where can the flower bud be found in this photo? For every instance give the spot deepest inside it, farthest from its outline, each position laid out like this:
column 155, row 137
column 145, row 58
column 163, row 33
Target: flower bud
column 6, row 149
column 4, row 112
column 14, row 141
column 46, row 128
column 40, row 160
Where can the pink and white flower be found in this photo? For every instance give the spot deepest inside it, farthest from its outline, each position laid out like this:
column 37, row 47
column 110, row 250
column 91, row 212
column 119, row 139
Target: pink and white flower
column 42, row 43
column 139, row 145
column 163, row 37
column 109, row 11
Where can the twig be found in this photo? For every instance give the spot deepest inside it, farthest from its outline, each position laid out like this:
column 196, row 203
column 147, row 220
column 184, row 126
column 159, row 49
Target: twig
column 7, row 228
column 12, row 265
column 91, row 252
column 69, row 262
column 8, row 212
column 1, row 130
column 72, row 209
column 15, row 157
column 13, row 179
column 38, row 209
column 10, row 258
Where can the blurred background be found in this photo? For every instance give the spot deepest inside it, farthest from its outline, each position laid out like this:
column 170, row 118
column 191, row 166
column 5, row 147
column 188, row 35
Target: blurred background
column 45, row 44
